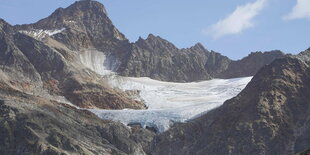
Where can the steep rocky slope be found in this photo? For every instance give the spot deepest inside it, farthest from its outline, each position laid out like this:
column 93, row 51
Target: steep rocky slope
column 270, row 116
column 249, row 65
column 159, row 59
column 85, row 25
column 34, row 67
column 307, row 152
column 32, row 125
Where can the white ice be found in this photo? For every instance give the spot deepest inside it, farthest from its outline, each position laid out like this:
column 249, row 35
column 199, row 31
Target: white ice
column 172, row 102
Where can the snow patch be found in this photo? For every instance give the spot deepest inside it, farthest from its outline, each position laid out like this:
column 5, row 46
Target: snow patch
column 98, row 62
column 40, row 34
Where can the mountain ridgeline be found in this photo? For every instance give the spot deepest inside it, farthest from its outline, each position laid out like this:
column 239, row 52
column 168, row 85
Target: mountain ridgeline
column 47, row 80
column 85, row 25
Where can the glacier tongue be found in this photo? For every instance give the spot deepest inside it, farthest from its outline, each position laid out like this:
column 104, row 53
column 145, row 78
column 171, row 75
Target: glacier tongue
column 172, row 102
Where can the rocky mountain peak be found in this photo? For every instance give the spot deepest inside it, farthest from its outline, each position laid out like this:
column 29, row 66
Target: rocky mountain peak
column 4, row 26
column 198, row 46
column 2, row 23
column 82, row 25
column 89, row 5
column 304, row 56
column 155, row 42
column 79, row 13
column 152, row 38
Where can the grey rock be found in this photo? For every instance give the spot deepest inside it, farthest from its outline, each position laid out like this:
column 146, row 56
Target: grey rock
column 248, row 66
column 270, row 116
column 159, row 59
column 87, row 25
column 39, row 126
column 34, row 66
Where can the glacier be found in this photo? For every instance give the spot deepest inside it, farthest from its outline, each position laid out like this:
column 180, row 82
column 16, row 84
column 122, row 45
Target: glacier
column 167, row 102
column 170, row 102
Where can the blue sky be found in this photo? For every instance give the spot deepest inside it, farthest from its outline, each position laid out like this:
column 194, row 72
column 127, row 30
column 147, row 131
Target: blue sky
column 233, row 28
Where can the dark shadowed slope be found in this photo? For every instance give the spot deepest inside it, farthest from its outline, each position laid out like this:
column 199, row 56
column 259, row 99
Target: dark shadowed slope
column 270, row 116
column 31, row 125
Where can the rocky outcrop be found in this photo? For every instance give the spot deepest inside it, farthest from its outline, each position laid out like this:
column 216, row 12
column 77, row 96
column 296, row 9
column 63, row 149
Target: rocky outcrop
column 31, row 125
column 159, row 59
column 84, row 24
column 249, row 65
column 270, row 116
column 16, row 70
column 307, row 152
column 48, row 69
column 304, row 56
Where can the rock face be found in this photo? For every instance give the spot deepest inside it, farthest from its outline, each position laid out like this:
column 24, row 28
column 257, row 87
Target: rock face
column 85, row 25
column 30, row 125
column 50, row 69
column 270, row 116
column 249, row 65
column 307, row 152
column 159, row 59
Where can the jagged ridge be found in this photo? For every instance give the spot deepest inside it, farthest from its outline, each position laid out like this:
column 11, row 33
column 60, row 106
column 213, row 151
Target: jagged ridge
column 85, row 25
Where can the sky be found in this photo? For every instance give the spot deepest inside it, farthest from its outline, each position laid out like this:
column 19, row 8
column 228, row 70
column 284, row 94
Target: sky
column 233, row 28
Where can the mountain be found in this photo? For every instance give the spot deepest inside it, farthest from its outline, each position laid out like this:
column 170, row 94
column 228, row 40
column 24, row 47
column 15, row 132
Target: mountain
column 51, row 70
column 159, row 59
column 34, row 67
column 270, row 116
column 85, row 25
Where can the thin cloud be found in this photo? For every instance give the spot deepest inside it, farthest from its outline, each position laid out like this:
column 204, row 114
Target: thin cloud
column 300, row 10
column 237, row 21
